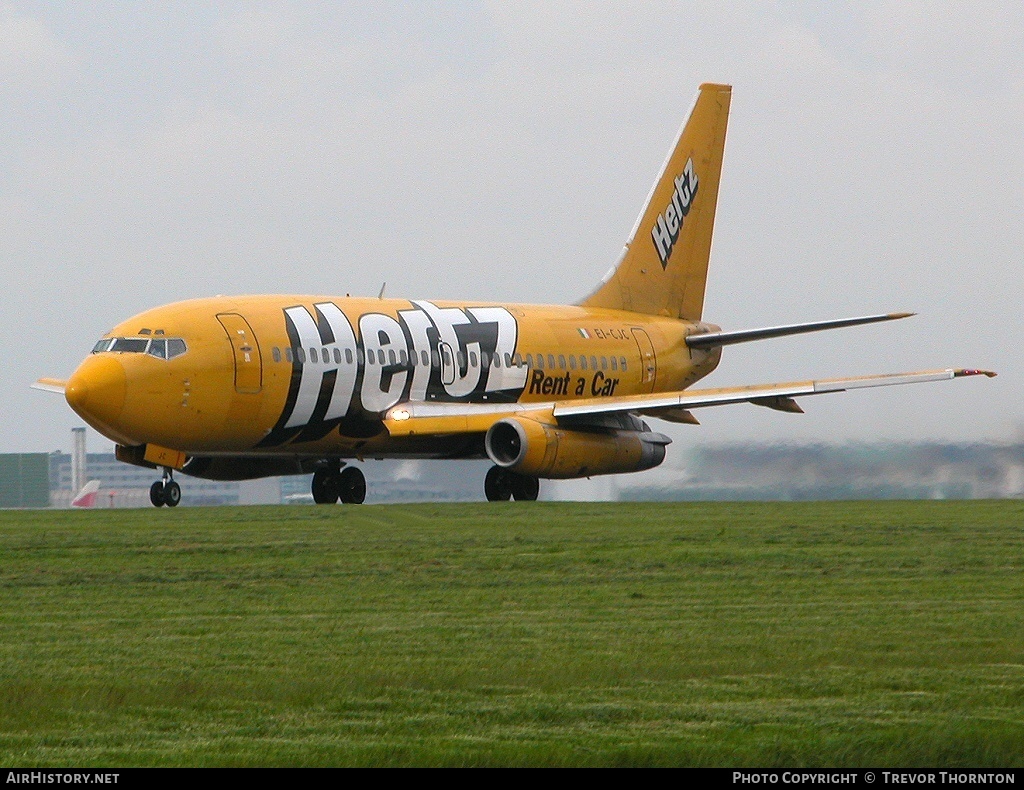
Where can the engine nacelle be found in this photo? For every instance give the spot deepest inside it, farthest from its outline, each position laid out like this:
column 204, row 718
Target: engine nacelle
column 542, row 450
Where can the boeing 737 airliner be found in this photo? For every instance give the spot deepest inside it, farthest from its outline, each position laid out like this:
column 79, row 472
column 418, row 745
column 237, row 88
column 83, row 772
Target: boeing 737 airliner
column 233, row 388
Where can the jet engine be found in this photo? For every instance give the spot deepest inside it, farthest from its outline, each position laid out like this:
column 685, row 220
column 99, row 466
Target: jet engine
column 541, row 449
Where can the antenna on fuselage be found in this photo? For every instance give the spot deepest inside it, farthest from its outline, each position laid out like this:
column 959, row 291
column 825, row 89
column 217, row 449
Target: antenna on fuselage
column 381, row 294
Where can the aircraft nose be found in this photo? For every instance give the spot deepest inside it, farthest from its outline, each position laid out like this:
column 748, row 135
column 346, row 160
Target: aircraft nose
column 96, row 391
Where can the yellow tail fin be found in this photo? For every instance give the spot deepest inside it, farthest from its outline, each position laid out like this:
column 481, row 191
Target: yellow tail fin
column 664, row 266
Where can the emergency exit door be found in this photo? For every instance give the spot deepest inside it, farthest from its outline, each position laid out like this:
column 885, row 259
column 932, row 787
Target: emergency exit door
column 648, row 361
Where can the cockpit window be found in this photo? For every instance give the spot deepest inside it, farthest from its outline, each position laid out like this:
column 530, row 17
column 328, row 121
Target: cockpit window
column 130, row 345
column 158, row 349
column 175, row 347
column 161, row 348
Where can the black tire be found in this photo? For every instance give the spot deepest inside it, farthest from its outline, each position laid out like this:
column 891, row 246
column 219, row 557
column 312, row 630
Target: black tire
column 498, row 484
column 352, row 485
column 156, row 493
column 325, row 486
column 525, row 488
column 172, row 494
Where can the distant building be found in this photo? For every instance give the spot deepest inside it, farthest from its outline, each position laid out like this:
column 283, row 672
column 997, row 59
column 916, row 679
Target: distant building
column 930, row 470
column 24, row 480
column 38, row 480
column 124, row 485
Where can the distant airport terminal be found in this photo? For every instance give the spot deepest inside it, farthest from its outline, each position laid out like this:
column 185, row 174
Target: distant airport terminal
column 722, row 472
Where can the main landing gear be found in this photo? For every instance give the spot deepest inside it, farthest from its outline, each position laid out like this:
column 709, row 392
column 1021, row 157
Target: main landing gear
column 500, row 485
column 332, row 483
column 165, row 491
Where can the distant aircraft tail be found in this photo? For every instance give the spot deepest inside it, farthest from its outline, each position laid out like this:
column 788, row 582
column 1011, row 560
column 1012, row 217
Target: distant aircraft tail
column 87, row 496
column 664, row 266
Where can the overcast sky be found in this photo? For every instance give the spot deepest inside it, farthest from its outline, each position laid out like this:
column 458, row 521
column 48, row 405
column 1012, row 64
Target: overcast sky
column 501, row 151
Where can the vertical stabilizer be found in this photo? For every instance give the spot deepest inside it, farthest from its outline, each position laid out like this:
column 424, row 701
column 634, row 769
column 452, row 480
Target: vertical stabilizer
column 87, row 496
column 664, row 266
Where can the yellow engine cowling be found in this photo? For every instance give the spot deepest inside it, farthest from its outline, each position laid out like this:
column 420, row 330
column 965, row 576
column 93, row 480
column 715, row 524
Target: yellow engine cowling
column 541, row 449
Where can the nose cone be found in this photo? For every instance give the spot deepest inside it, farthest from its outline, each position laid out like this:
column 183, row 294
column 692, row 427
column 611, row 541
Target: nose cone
column 96, row 391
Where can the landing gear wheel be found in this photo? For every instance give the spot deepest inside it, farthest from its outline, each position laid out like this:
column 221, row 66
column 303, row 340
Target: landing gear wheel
column 525, row 488
column 172, row 494
column 498, row 484
column 165, row 492
column 352, row 486
column 325, row 487
column 156, row 493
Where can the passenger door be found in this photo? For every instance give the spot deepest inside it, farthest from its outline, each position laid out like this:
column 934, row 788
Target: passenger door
column 248, row 363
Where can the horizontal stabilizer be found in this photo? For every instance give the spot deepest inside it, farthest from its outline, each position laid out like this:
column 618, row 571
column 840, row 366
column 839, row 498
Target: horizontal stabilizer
column 716, row 339
column 50, row 385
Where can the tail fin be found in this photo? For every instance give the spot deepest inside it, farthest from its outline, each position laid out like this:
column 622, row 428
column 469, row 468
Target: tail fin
column 664, row 266
column 87, row 496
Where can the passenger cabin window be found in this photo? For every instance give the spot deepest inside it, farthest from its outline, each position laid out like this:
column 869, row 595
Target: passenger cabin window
column 276, row 353
column 583, row 363
column 622, row 363
column 288, row 355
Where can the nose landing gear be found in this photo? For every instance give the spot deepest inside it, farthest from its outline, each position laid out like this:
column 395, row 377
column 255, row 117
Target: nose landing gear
column 332, row 483
column 165, row 491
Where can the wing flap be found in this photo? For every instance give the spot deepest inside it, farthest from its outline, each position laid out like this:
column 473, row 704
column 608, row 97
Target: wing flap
column 772, row 395
column 433, row 418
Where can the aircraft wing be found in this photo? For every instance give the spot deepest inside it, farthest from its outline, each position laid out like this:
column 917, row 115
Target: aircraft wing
column 426, row 418
column 50, row 385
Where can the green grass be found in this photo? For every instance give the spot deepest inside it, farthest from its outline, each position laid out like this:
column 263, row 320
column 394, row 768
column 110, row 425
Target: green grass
column 777, row 634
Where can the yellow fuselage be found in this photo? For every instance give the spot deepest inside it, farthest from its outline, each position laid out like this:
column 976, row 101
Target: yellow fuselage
column 307, row 375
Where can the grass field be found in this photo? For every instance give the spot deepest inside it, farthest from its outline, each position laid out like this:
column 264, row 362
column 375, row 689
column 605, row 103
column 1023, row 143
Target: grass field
column 781, row 634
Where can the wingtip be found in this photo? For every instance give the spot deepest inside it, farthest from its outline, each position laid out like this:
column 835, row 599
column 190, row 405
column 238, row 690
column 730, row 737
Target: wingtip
column 974, row 372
